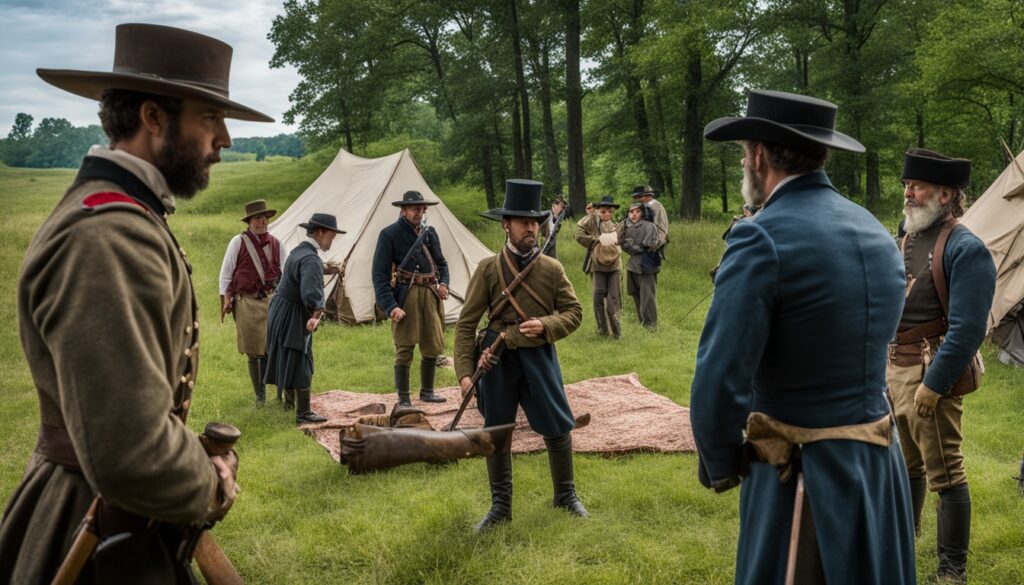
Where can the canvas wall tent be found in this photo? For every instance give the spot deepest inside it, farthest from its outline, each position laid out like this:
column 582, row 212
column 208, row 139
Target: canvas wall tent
column 359, row 192
column 997, row 217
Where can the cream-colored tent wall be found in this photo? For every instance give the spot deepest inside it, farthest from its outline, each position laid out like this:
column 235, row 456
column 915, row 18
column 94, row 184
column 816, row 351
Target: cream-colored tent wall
column 997, row 217
column 359, row 192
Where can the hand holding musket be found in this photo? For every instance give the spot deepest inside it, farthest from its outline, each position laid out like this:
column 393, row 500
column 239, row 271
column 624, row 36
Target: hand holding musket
column 488, row 358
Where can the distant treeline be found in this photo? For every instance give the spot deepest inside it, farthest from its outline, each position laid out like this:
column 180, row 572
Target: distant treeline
column 55, row 142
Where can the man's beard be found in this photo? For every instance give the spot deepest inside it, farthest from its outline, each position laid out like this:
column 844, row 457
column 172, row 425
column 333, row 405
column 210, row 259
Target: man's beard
column 182, row 164
column 525, row 245
column 924, row 216
column 753, row 193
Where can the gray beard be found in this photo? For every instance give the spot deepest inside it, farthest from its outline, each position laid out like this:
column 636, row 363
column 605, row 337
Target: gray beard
column 922, row 217
column 752, row 191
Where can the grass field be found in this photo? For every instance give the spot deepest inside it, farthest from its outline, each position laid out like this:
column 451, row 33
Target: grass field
column 302, row 519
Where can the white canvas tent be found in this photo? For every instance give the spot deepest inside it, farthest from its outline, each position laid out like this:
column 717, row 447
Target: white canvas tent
column 997, row 217
column 359, row 192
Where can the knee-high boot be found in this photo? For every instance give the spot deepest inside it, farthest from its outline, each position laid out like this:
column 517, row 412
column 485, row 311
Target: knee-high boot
column 499, row 474
column 303, row 413
column 918, row 492
column 954, row 533
column 402, row 385
column 560, row 460
column 256, row 377
column 428, row 366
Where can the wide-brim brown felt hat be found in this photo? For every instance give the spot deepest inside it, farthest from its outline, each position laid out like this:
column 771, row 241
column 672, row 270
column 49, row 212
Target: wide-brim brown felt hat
column 789, row 119
column 161, row 60
column 257, row 207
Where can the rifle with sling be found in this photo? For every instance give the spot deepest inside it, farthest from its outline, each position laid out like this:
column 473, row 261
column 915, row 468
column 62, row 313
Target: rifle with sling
column 506, row 296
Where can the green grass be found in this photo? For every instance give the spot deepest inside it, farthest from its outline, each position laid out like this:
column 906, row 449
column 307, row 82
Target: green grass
column 302, row 519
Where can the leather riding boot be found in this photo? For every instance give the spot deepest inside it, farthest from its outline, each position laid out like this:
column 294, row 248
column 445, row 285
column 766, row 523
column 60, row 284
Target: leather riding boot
column 560, row 460
column 402, row 385
column 256, row 377
column 499, row 473
column 601, row 318
column 303, row 413
column 918, row 491
column 427, row 368
column 615, row 325
column 954, row 534
column 289, row 399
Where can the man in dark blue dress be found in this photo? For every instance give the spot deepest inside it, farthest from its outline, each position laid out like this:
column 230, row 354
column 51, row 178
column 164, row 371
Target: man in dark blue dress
column 294, row 314
column 789, row 393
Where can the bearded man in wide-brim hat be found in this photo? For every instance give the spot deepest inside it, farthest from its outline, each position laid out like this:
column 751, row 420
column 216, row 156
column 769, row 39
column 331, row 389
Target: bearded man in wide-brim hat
column 248, row 277
column 527, row 375
column 295, row 313
column 951, row 280
column 410, row 283
column 109, row 327
column 792, row 358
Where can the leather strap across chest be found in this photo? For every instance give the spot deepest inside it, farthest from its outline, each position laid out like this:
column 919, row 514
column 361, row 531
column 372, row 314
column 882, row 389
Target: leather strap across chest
column 508, row 279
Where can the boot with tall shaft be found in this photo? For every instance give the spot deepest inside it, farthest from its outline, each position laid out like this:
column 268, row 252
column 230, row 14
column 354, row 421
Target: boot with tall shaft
column 428, row 366
column 954, row 534
column 303, row 413
column 402, row 385
column 499, row 474
column 560, row 460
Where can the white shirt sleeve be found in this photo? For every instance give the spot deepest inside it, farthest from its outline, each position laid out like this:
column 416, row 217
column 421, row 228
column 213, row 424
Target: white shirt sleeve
column 227, row 268
column 284, row 256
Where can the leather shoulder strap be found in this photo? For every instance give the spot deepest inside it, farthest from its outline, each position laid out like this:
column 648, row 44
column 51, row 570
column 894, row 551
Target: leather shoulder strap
column 938, row 265
column 256, row 255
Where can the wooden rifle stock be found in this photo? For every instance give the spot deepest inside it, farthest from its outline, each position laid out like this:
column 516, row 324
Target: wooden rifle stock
column 215, row 566
column 81, row 548
column 495, row 348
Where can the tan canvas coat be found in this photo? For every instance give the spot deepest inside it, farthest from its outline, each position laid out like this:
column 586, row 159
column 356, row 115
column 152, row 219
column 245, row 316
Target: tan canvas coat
column 547, row 279
column 107, row 321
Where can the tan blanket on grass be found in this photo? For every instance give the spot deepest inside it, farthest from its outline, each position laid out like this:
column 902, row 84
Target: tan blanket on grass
column 625, row 417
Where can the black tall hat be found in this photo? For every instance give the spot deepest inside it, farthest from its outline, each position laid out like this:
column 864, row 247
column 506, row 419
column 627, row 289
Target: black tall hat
column 413, row 198
column 522, row 199
column 322, row 220
column 920, row 164
column 789, row 119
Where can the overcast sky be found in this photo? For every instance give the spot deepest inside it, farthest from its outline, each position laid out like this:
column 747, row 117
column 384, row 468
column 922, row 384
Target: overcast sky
column 79, row 34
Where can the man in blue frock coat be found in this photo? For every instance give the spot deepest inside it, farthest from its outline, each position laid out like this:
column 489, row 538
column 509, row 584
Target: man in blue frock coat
column 789, row 386
column 294, row 314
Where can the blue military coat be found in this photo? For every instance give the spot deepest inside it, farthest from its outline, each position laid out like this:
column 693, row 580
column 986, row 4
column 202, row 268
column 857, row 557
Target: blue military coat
column 393, row 244
column 807, row 298
column 298, row 295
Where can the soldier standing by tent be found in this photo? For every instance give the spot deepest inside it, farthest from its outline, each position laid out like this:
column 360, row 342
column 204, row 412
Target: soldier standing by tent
column 295, row 312
column 598, row 234
column 248, row 277
column 108, row 324
column 410, row 281
column 950, row 283
column 535, row 315
column 789, row 387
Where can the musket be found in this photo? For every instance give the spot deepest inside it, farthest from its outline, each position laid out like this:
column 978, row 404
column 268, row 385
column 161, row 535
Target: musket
column 794, row 531
column 495, row 349
column 217, row 439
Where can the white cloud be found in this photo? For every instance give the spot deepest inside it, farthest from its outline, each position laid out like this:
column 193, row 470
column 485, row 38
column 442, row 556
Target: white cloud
column 79, row 34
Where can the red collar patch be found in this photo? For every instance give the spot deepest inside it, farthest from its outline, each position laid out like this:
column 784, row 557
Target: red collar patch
column 98, row 199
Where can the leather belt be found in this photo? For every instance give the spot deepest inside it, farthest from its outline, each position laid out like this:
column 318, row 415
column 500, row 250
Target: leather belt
column 915, row 334
column 416, row 278
column 54, row 444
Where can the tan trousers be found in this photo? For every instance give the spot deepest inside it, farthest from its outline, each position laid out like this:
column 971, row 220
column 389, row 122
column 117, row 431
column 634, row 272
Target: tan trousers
column 931, row 445
column 251, row 324
column 423, row 324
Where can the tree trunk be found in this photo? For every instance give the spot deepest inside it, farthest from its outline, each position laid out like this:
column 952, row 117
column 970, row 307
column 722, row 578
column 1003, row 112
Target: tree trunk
column 517, row 142
column 661, row 144
column 693, row 141
column 920, row 127
column 874, row 187
column 488, row 171
column 723, row 183
column 635, row 95
column 522, row 95
column 574, row 108
column 552, row 168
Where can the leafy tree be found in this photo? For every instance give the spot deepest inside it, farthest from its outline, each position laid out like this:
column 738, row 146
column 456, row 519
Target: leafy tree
column 22, row 128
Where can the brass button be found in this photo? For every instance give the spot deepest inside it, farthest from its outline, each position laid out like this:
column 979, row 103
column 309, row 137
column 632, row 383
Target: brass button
column 188, row 352
column 182, row 251
column 188, row 330
column 184, row 379
column 191, row 384
column 195, row 325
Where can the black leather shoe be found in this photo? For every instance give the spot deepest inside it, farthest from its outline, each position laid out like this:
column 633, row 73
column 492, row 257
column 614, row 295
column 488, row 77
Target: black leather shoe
column 429, row 396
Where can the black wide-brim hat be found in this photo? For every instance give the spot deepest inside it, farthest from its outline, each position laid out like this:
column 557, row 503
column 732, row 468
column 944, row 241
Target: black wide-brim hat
column 322, row 220
column 522, row 199
column 161, row 60
column 789, row 119
column 413, row 198
column 606, row 201
column 920, row 164
column 641, row 190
